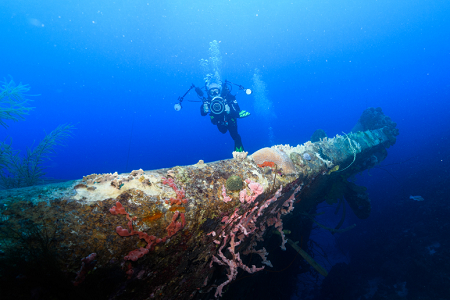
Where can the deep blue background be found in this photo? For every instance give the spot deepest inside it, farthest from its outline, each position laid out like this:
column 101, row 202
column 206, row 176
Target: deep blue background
column 115, row 69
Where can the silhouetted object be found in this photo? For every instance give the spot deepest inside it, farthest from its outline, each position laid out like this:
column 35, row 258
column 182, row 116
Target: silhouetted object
column 374, row 118
column 358, row 199
column 317, row 135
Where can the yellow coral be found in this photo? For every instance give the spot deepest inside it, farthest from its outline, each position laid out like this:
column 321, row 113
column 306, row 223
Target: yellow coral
column 335, row 168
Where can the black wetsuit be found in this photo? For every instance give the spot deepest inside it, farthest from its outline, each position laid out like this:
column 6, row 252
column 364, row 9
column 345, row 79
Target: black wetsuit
column 226, row 121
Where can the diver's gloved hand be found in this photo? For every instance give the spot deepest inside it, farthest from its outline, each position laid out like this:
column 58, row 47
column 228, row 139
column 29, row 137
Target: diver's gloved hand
column 243, row 114
column 227, row 108
column 206, row 107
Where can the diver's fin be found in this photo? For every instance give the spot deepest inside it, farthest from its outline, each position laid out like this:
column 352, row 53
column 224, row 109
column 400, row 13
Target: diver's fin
column 243, row 114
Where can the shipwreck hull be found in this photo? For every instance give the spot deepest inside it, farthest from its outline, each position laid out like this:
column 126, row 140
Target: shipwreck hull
column 178, row 233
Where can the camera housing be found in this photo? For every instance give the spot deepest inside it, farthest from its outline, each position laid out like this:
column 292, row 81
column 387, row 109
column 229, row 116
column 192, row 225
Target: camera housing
column 217, row 105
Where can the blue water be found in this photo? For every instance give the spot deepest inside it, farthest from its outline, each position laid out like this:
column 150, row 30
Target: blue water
column 115, row 70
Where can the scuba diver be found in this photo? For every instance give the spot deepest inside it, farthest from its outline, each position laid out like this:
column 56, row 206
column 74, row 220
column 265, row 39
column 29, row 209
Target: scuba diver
column 222, row 108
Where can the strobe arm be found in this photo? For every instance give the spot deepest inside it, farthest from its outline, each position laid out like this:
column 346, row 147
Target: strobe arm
column 247, row 91
column 178, row 106
column 180, row 99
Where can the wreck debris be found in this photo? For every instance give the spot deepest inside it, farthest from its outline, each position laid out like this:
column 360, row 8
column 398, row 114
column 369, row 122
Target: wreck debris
column 239, row 155
column 179, row 243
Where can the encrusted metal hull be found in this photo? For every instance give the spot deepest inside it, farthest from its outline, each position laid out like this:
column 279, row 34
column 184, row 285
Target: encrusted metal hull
column 179, row 218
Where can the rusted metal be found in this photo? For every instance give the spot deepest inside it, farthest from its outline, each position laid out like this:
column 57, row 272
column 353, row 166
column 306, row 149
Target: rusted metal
column 187, row 238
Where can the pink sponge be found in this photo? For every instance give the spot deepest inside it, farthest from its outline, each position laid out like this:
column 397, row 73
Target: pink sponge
column 224, row 195
column 256, row 190
column 136, row 254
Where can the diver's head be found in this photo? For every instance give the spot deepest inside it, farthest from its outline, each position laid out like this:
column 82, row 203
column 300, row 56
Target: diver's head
column 214, row 90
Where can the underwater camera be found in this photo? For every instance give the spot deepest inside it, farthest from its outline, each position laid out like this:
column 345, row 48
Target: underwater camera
column 217, row 106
